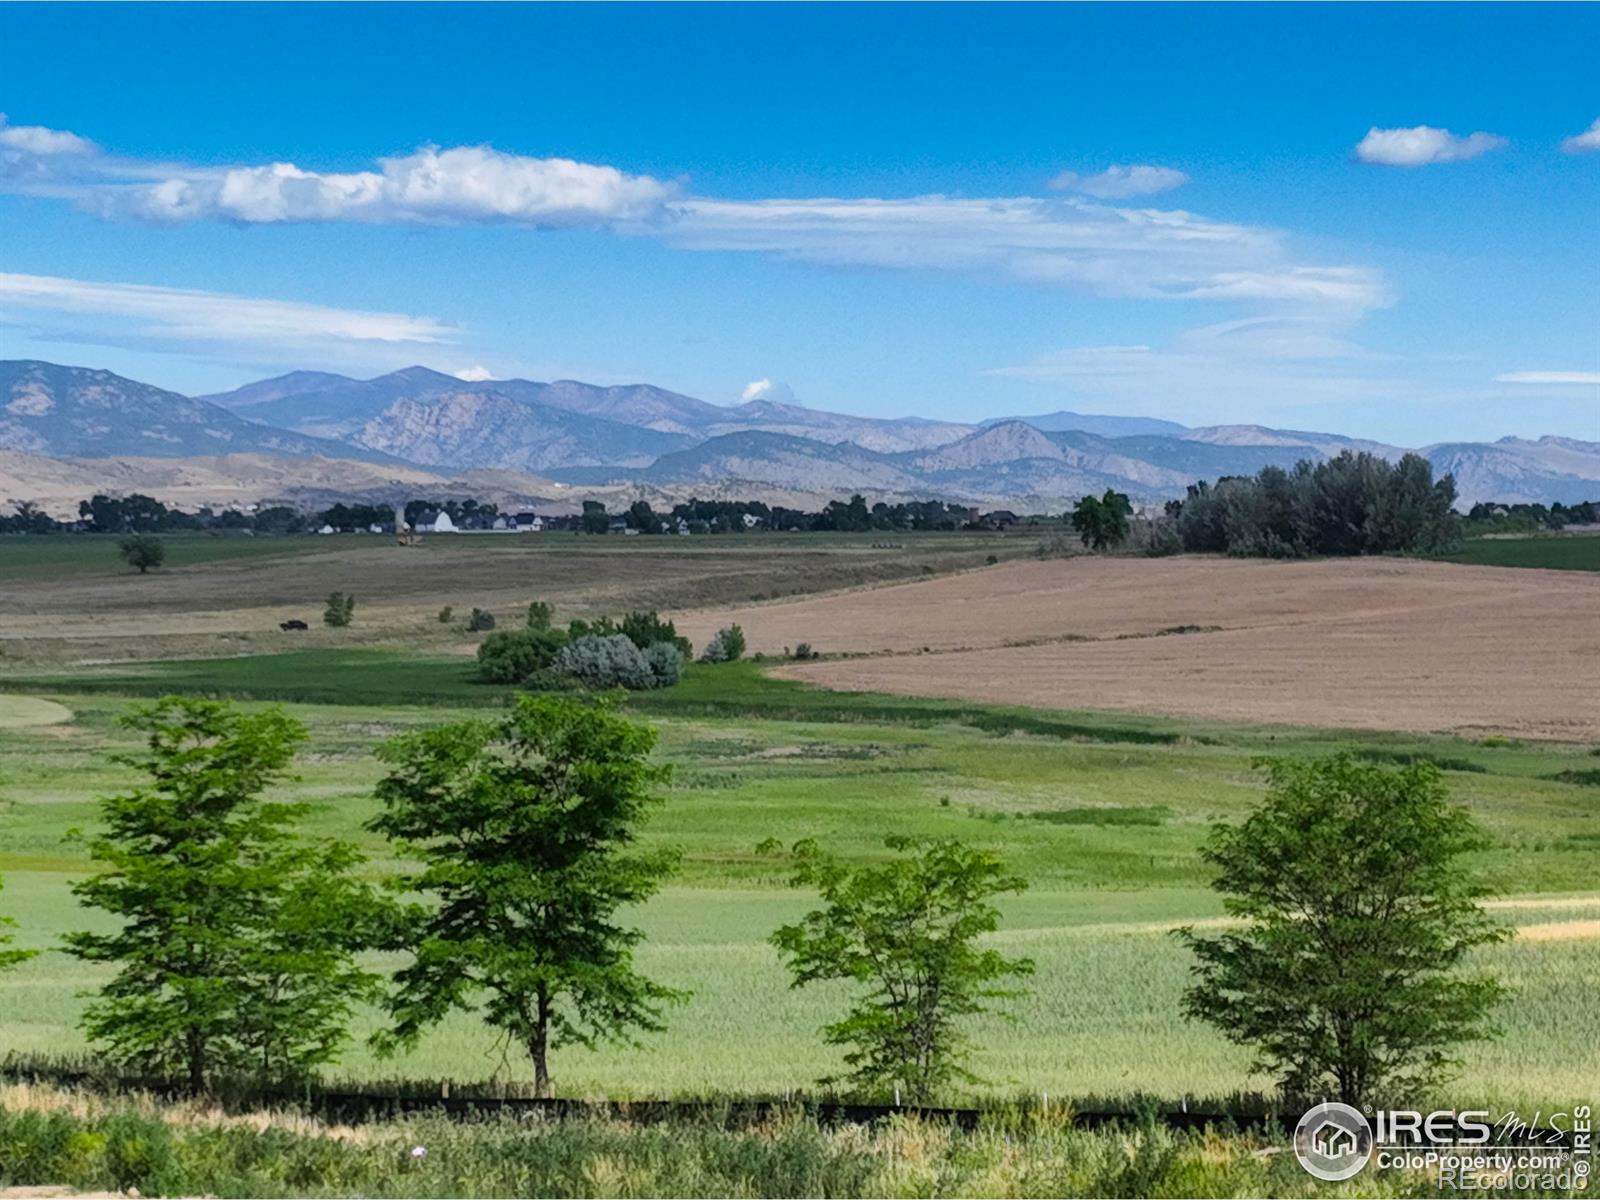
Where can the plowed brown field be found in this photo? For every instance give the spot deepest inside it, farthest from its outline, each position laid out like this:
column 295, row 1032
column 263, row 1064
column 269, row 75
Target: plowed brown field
column 1363, row 643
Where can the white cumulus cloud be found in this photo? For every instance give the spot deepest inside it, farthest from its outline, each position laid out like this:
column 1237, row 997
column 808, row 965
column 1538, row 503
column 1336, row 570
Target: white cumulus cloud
column 464, row 183
column 1119, row 182
column 1547, row 377
column 1582, row 143
column 38, row 140
column 459, row 184
column 1422, row 145
column 474, row 374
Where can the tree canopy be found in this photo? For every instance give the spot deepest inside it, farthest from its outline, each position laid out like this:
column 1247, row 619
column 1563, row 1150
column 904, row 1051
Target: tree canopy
column 1355, row 503
column 236, row 943
column 1102, row 521
column 906, row 931
column 525, row 828
column 1359, row 914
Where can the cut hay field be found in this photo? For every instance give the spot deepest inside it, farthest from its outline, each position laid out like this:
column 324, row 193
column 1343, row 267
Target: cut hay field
column 68, row 599
column 1365, row 643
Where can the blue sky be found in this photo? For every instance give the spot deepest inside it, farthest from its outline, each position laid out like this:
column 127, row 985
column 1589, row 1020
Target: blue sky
column 1379, row 220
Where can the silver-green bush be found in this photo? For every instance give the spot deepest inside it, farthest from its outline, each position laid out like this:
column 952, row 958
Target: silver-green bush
column 606, row 662
column 666, row 663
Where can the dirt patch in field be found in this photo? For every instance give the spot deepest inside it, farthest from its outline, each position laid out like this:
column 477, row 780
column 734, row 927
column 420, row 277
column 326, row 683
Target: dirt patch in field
column 30, row 712
column 1559, row 931
column 1357, row 643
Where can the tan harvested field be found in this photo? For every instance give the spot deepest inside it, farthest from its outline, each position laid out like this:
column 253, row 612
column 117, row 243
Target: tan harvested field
column 1364, row 643
column 93, row 609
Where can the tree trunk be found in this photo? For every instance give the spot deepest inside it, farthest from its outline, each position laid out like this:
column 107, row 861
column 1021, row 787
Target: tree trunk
column 539, row 1050
column 196, row 1055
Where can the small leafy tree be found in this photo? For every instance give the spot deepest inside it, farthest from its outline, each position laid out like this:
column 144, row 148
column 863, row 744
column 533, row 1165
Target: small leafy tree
column 235, row 948
column 1102, row 522
column 525, row 828
column 445, row 614
column 539, row 615
column 727, row 645
column 480, row 621
column 340, row 610
column 141, row 551
column 1359, row 914
column 907, row 930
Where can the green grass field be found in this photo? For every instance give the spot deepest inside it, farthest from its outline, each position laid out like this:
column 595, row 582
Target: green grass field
column 1564, row 552
column 1102, row 813
column 55, row 556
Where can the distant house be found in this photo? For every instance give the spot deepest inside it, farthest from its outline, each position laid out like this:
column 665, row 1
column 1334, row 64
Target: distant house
column 327, row 529
column 501, row 524
column 617, row 525
column 527, row 522
column 683, row 527
column 434, row 521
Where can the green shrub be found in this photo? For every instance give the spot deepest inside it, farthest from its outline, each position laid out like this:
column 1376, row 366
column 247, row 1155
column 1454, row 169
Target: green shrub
column 605, row 662
column 480, row 620
column 599, row 627
column 340, row 610
column 539, row 615
column 445, row 614
column 666, row 663
column 804, row 651
column 518, row 655
column 139, row 1154
column 647, row 628
column 727, row 646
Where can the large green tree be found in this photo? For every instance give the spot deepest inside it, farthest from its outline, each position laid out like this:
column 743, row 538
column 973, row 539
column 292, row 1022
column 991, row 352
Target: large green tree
column 525, row 827
column 235, row 940
column 905, row 931
column 1102, row 521
column 1347, row 975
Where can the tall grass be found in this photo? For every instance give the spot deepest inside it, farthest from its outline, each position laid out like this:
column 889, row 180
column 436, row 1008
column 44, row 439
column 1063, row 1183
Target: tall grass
column 76, row 1140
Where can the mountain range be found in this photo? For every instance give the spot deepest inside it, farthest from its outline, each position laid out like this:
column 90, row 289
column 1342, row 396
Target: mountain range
column 417, row 424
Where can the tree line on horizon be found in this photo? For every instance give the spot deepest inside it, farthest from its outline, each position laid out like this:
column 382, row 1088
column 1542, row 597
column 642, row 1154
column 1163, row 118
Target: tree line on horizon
column 1352, row 504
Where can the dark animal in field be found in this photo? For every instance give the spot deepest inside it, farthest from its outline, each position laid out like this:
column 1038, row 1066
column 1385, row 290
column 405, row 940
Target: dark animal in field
column 293, row 626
